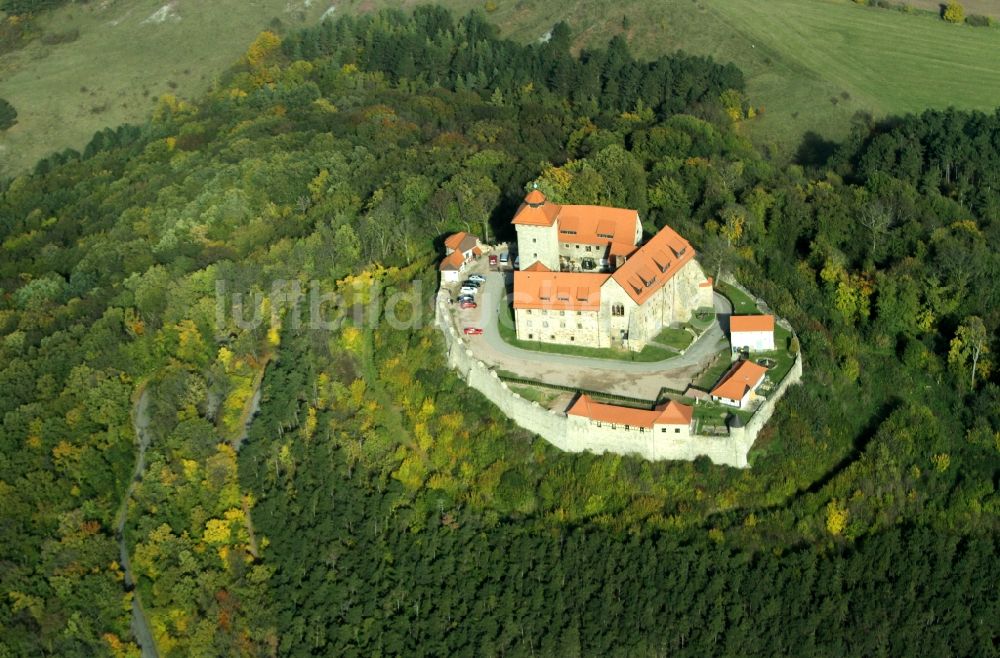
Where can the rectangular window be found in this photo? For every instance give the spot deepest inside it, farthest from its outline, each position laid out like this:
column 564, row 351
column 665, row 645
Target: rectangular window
column 534, row 239
column 579, row 325
column 598, row 423
column 627, row 427
column 642, row 430
column 664, row 430
column 588, row 247
column 579, row 313
column 572, row 339
column 530, row 336
column 562, row 312
column 618, row 310
column 677, row 431
column 562, row 325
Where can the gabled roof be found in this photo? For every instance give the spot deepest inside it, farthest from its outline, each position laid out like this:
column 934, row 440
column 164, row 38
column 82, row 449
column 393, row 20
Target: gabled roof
column 622, row 249
column 536, row 267
column 742, row 377
column 558, row 291
column 461, row 241
column 739, row 323
column 653, row 264
column 598, row 225
column 675, row 413
column 580, row 224
column 672, row 413
column 454, row 261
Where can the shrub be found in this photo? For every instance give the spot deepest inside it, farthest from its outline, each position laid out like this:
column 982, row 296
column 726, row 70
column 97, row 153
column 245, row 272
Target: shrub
column 953, row 13
column 978, row 20
column 8, row 115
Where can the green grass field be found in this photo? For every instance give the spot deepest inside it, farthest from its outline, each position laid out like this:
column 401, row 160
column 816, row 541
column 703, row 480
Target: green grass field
column 126, row 56
column 811, row 64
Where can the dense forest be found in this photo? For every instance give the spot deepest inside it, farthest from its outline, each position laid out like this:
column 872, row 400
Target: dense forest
column 373, row 504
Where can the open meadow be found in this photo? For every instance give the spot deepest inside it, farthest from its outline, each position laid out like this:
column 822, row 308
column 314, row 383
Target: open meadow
column 810, row 64
column 125, row 55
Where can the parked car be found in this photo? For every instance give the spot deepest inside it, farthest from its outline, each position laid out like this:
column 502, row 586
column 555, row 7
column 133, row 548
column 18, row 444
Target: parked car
column 468, row 305
column 504, row 258
column 465, row 298
column 471, row 282
column 517, row 262
column 470, row 290
column 477, row 278
column 493, row 260
column 473, row 331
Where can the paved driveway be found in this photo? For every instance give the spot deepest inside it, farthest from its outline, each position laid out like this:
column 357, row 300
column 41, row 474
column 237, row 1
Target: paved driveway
column 631, row 378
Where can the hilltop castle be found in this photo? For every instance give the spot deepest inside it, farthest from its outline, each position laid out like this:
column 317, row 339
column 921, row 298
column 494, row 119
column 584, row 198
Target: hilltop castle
column 587, row 281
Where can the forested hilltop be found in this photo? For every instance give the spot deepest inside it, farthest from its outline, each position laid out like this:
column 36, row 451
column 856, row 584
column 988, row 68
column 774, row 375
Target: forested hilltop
column 377, row 506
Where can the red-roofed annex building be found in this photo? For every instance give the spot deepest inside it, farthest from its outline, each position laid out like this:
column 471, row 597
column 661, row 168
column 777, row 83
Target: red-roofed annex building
column 460, row 249
column 586, row 279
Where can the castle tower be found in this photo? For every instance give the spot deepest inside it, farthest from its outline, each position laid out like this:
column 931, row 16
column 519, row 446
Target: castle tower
column 537, row 227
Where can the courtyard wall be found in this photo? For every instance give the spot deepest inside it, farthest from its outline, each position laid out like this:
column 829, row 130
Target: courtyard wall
column 575, row 434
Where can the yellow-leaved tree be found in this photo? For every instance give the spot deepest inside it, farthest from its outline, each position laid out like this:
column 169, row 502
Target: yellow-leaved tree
column 954, row 12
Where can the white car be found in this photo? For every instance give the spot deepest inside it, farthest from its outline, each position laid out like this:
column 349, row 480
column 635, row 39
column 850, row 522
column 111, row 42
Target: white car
column 468, row 290
column 477, row 277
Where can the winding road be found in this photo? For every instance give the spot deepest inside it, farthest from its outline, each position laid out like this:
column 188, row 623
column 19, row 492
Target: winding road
column 140, row 625
column 632, row 378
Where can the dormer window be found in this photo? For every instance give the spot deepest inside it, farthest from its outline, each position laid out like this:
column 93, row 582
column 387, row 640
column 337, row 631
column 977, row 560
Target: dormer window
column 647, row 282
column 606, row 236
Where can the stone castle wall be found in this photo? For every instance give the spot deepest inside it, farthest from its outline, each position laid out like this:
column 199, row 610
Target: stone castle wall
column 574, row 434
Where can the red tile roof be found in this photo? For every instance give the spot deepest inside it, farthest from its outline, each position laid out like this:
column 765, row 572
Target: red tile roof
column 598, row 225
column 742, row 377
column 535, row 197
column 559, row 291
column 672, row 413
column 461, row 241
column 738, row 323
column 536, row 267
column 580, row 224
column 453, row 261
column 675, row 413
column 622, row 249
column 653, row 264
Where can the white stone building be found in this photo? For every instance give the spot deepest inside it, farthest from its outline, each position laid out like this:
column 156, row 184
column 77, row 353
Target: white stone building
column 460, row 249
column 587, row 281
column 751, row 333
column 738, row 386
column 667, row 422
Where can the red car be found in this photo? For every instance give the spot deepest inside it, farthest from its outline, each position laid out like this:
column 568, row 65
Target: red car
column 468, row 304
column 493, row 260
column 473, row 331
